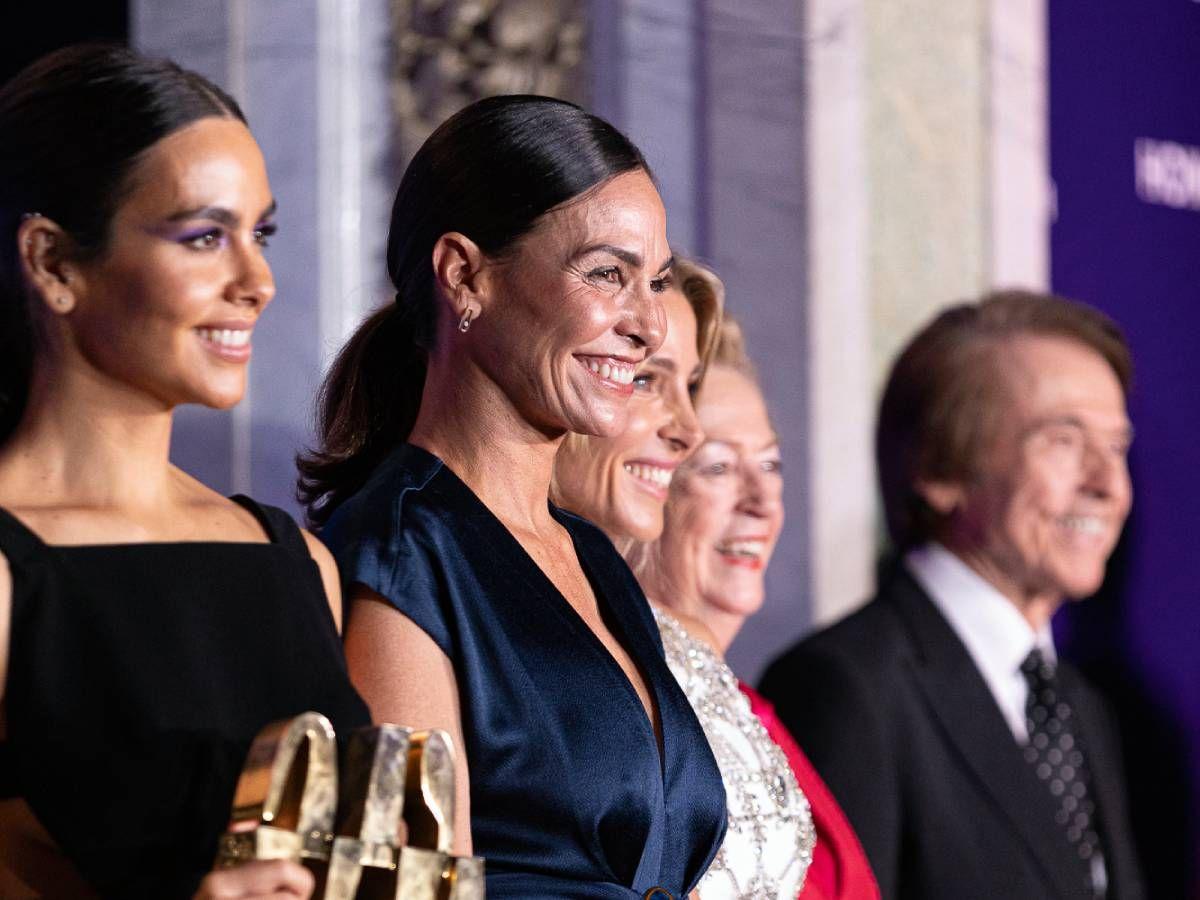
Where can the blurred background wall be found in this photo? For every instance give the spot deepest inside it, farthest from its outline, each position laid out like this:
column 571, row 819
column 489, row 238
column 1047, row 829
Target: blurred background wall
column 848, row 167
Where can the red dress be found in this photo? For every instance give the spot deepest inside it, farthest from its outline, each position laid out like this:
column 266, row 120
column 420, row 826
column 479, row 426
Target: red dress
column 839, row 869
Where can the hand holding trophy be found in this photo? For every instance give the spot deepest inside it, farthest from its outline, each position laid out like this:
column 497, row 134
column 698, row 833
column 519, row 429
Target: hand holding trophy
column 383, row 833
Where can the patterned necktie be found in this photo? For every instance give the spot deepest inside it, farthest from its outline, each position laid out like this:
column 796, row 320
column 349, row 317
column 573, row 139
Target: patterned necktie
column 1058, row 760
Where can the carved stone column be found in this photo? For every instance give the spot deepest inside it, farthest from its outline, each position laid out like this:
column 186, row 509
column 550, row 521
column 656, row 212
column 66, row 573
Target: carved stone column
column 449, row 53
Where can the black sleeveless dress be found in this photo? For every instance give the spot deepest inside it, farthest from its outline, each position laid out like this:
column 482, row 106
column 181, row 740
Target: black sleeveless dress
column 138, row 676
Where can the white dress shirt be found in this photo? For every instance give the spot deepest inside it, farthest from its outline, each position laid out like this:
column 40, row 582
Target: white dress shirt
column 996, row 635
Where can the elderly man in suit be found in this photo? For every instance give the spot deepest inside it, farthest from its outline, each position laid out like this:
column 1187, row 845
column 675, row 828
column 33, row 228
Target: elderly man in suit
column 971, row 761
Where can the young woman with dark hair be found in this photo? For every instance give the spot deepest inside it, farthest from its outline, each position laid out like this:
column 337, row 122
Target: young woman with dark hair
column 149, row 627
column 528, row 249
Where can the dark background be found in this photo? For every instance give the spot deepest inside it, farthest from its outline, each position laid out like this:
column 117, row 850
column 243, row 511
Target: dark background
column 45, row 25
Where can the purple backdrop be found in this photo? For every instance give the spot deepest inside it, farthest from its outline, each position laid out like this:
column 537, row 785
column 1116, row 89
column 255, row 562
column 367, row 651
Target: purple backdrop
column 1125, row 158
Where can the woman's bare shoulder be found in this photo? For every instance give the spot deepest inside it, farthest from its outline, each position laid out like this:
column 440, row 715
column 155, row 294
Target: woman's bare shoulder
column 212, row 514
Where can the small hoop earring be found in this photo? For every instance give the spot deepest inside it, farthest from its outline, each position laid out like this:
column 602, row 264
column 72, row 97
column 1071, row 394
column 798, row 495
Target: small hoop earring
column 464, row 324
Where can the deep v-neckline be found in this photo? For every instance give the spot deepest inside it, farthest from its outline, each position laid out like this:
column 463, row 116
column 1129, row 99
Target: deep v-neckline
column 546, row 587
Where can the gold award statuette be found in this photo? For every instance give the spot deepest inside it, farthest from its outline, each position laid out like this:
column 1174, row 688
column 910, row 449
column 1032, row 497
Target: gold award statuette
column 430, row 875
column 465, row 878
column 363, row 860
column 426, row 870
column 284, row 803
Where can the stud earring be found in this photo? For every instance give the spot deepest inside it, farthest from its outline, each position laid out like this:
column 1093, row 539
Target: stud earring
column 464, row 324
column 62, row 301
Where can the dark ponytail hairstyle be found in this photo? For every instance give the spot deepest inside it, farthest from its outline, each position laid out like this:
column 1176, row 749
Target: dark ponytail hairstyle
column 73, row 127
column 490, row 172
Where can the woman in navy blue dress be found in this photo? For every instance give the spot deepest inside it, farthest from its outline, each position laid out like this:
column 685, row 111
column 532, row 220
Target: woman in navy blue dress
column 528, row 248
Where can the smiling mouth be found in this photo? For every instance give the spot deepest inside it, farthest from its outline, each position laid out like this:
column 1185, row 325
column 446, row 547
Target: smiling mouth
column 616, row 372
column 226, row 337
column 231, row 344
column 1085, row 525
column 747, row 552
column 656, row 479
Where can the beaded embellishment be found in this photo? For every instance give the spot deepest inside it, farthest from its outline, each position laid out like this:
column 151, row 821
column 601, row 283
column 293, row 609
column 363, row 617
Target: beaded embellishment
column 770, row 838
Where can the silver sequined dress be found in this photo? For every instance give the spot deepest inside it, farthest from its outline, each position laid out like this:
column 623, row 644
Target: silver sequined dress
column 770, row 839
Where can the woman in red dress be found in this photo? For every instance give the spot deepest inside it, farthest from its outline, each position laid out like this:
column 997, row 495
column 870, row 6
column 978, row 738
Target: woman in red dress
column 721, row 523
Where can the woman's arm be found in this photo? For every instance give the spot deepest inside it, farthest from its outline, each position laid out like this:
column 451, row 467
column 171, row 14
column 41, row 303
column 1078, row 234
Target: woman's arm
column 329, row 575
column 406, row 679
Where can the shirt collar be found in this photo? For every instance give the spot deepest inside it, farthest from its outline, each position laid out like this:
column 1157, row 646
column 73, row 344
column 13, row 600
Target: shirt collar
column 995, row 633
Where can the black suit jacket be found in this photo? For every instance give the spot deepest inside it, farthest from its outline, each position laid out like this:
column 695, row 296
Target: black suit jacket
column 894, row 714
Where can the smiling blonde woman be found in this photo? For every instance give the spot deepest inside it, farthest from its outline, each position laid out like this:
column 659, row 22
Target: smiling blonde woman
column 706, row 574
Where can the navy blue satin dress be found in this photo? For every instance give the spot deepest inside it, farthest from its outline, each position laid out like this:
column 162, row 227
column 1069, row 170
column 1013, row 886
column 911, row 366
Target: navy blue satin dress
column 570, row 796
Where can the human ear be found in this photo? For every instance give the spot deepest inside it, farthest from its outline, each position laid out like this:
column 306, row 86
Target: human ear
column 944, row 497
column 42, row 247
column 458, row 270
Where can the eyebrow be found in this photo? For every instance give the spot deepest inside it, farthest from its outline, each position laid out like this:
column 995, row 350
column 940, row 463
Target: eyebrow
column 219, row 214
column 732, row 445
column 663, row 362
column 1126, row 430
column 626, row 256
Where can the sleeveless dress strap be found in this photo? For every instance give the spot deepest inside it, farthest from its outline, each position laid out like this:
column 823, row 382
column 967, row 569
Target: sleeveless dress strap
column 17, row 542
column 280, row 527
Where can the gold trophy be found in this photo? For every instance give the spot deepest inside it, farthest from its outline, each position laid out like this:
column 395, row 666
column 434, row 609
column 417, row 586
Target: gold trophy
column 464, row 880
column 284, row 803
column 395, row 811
column 426, row 870
column 363, row 860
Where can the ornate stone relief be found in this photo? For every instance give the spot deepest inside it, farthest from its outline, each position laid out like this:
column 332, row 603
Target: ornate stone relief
column 449, row 53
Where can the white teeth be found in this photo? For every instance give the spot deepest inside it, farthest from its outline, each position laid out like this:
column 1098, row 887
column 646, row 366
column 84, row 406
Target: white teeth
column 226, row 337
column 751, row 549
column 1084, row 524
column 612, row 370
column 654, row 474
